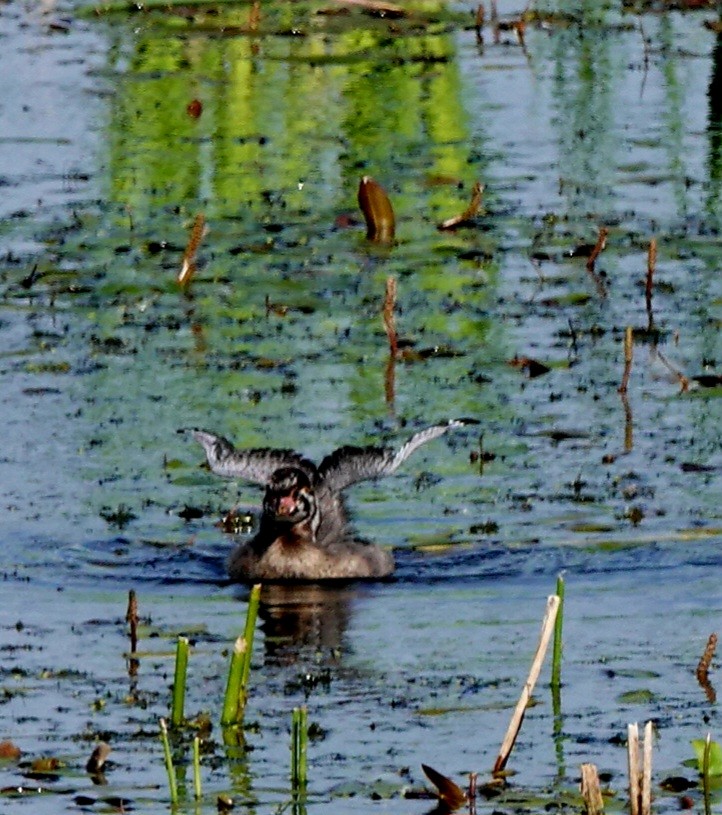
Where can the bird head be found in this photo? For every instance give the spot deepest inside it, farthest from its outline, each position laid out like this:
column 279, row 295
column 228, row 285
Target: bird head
column 289, row 496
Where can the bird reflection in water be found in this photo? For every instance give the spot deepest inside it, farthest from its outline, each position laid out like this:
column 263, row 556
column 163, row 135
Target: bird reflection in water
column 298, row 618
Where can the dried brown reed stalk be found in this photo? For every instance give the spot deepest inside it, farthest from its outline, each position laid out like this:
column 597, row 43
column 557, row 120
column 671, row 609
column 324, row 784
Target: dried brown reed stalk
column 389, row 316
column 591, row 790
column 682, row 379
column 471, row 794
column 649, row 281
column 254, row 16
column 628, row 358
column 188, row 267
column 646, row 797
column 640, row 783
column 598, row 248
column 390, row 326
column 131, row 617
column 703, row 665
column 633, row 767
column 628, row 424
column 468, row 215
column 517, row 718
column 479, row 23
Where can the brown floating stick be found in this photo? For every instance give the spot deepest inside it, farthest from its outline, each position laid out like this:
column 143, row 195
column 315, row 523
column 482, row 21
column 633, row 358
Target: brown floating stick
column 517, row 718
column 377, row 210
column 628, row 356
column 188, row 267
column 591, row 791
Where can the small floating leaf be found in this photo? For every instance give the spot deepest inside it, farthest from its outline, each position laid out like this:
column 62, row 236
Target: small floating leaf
column 643, row 696
column 377, row 210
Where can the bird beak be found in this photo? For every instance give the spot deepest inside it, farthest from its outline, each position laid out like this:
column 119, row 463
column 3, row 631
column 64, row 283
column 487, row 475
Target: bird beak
column 286, row 505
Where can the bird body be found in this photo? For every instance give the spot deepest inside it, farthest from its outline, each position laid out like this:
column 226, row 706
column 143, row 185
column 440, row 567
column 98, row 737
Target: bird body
column 304, row 532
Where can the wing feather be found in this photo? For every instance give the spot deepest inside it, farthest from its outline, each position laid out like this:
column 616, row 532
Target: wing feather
column 349, row 465
column 255, row 465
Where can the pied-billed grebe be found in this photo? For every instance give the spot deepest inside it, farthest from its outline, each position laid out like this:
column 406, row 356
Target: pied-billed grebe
column 304, row 532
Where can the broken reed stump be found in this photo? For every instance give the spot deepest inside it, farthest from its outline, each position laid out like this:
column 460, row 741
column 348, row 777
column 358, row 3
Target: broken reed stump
column 628, row 357
column 131, row 617
column 640, row 781
column 591, row 790
column 518, row 716
column 649, row 282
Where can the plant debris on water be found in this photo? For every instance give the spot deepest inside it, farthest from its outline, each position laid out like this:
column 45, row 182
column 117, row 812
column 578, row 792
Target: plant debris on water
column 321, row 224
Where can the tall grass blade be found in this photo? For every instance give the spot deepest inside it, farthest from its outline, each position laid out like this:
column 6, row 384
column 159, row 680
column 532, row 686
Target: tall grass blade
column 197, row 791
column 231, row 714
column 169, row 768
column 299, row 749
column 179, row 682
column 558, row 626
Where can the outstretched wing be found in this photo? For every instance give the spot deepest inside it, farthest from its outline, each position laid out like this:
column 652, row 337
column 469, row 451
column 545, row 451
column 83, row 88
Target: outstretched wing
column 349, row 465
column 256, row 465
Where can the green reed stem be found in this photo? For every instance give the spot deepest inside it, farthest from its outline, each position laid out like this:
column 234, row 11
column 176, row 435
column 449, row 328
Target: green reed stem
column 234, row 702
column 197, row 768
column 231, row 714
column 179, row 682
column 251, row 617
column 558, row 625
column 299, row 749
column 169, row 768
column 705, row 774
